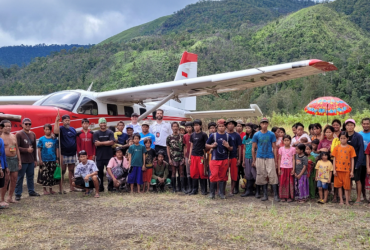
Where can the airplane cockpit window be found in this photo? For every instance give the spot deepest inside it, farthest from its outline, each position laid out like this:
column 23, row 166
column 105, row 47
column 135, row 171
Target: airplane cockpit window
column 64, row 100
column 142, row 111
column 112, row 109
column 88, row 107
column 128, row 111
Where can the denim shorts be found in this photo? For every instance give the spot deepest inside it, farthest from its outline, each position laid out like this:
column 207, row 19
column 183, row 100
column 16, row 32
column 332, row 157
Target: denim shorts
column 322, row 185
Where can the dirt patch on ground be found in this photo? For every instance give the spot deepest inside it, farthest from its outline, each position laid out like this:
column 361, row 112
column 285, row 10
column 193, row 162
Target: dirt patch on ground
column 177, row 221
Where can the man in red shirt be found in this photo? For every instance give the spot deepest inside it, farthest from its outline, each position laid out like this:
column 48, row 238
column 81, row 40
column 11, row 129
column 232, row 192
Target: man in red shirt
column 85, row 140
column 239, row 129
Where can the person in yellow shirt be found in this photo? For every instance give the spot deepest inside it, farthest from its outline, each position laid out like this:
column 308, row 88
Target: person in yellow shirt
column 324, row 169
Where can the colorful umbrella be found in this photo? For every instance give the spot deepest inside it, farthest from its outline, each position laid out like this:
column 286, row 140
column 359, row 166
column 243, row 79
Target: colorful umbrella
column 327, row 105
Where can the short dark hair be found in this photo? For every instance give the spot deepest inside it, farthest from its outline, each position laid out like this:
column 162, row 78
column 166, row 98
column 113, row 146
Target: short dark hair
column 336, row 121
column 274, row 129
column 365, row 119
column 324, row 153
column 136, row 135
column 212, row 124
column 298, row 124
column 316, row 141
column 301, row 147
column 311, row 126
column 294, row 125
column 47, row 125
column 330, row 128
column 343, row 133
column 120, row 122
column 5, row 121
column 282, row 129
column 161, row 152
column 85, row 120
column 174, row 123
column 159, row 110
column 317, row 125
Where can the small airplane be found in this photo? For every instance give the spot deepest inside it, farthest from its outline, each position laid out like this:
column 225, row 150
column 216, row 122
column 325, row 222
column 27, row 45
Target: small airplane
column 177, row 98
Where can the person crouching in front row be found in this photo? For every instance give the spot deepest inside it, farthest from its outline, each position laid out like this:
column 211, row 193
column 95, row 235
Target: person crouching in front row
column 86, row 175
column 160, row 172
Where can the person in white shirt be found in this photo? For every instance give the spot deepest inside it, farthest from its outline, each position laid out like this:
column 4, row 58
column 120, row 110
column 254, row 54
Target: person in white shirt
column 161, row 130
column 300, row 134
column 134, row 123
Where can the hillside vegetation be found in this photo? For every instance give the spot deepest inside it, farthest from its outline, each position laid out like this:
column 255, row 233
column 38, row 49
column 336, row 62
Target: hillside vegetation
column 315, row 32
column 23, row 54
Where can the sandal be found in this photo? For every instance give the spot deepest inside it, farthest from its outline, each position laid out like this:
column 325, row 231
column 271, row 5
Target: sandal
column 64, row 192
column 4, row 207
column 321, row 202
column 357, row 203
column 96, row 196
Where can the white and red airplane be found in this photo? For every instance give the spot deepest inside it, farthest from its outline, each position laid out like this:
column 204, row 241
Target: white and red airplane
column 176, row 98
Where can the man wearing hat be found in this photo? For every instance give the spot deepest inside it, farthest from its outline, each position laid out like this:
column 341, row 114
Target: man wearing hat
column 234, row 160
column 103, row 139
column 198, row 141
column 265, row 143
column 26, row 141
column 68, row 145
column 135, row 125
column 357, row 142
column 145, row 133
column 220, row 143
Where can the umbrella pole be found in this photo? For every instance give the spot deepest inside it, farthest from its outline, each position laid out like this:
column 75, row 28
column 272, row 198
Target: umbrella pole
column 327, row 117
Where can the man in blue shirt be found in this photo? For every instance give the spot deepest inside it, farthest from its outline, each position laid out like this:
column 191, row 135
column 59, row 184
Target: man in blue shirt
column 145, row 133
column 366, row 137
column 68, row 147
column 265, row 143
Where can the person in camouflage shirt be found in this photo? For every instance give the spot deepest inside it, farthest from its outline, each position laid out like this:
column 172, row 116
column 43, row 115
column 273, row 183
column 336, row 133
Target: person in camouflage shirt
column 160, row 172
column 175, row 150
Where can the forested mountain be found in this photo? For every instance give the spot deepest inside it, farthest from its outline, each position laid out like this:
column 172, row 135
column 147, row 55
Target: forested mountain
column 139, row 57
column 23, row 54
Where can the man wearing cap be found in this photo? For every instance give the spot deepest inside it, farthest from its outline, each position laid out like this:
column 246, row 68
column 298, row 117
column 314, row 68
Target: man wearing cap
column 234, row 160
column 356, row 140
column 161, row 130
column 145, row 133
column 68, row 148
column 135, row 125
column 265, row 143
column 220, row 143
column 198, row 141
column 103, row 139
column 239, row 129
column 26, row 141
column 11, row 159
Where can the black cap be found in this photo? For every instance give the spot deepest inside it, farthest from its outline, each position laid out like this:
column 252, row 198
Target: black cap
column 197, row 121
column 134, row 114
column 82, row 152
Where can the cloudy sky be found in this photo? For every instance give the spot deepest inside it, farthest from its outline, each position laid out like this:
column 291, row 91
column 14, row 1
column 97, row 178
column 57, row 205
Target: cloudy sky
column 76, row 21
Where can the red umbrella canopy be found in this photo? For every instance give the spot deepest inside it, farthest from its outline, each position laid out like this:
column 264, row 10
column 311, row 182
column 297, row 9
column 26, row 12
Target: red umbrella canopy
column 327, row 105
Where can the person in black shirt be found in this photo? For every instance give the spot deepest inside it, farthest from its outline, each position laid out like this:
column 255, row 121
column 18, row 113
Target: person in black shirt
column 196, row 158
column 103, row 139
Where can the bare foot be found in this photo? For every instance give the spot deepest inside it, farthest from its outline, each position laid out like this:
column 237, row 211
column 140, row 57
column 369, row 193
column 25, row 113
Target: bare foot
column 46, row 193
column 283, row 200
column 10, row 200
column 96, row 196
column 341, row 203
column 4, row 204
column 52, row 192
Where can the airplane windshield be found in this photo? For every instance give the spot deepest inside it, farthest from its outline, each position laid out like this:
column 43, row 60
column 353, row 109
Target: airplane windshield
column 64, row 100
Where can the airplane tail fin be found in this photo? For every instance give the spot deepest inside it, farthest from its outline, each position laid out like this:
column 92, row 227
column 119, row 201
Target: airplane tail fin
column 188, row 69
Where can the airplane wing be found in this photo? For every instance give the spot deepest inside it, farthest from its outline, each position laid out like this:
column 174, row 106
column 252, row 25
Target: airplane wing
column 24, row 100
column 219, row 83
column 254, row 111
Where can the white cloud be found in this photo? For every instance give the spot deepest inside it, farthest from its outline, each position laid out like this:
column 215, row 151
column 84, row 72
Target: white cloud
column 76, row 22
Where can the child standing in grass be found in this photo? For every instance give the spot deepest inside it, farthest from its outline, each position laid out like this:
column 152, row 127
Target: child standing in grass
column 150, row 157
column 344, row 163
column 249, row 170
column 286, row 170
column 311, row 171
column 136, row 162
column 323, row 176
column 300, row 167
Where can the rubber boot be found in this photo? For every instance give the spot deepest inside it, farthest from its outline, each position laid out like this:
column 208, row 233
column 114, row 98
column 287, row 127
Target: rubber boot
column 178, row 189
column 258, row 190
column 161, row 188
column 155, row 189
column 189, row 185
column 276, row 193
column 221, row 185
column 195, row 187
column 173, row 182
column 248, row 190
column 265, row 196
column 213, row 190
column 236, row 188
column 182, row 183
column 203, row 186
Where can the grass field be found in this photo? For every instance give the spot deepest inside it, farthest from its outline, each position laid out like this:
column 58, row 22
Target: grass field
column 174, row 221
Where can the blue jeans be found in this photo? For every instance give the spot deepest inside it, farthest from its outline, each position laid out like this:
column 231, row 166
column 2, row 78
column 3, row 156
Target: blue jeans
column 29, row 170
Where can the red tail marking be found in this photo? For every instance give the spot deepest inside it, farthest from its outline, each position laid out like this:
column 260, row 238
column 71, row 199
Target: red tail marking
column 188, row 57
column 184, row 74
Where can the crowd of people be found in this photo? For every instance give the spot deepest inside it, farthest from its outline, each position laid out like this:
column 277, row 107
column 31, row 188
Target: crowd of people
column 182, row 156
